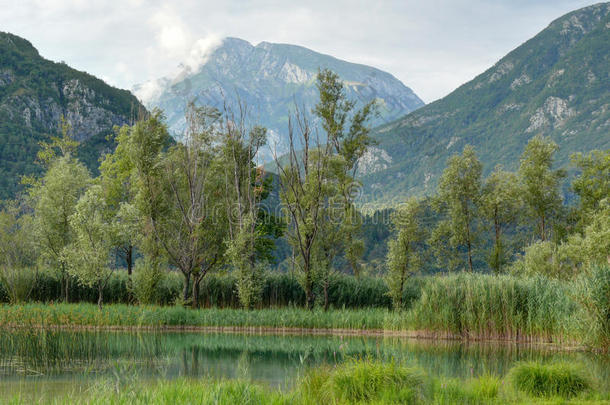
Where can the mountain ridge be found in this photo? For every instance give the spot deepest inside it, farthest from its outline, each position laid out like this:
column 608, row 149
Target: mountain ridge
column 556, row 84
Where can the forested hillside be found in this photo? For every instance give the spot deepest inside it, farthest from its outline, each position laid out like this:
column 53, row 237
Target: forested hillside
column 35, row 94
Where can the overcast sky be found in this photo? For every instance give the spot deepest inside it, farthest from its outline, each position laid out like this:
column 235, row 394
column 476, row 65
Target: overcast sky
column 432, row 46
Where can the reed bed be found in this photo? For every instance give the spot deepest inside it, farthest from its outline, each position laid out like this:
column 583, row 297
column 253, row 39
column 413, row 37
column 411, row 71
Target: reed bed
column 357, row 381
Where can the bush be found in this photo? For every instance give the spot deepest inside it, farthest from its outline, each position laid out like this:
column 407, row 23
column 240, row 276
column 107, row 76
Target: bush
column 17, row 284
column 147, row 278
column 365, row 381
column 560, row 379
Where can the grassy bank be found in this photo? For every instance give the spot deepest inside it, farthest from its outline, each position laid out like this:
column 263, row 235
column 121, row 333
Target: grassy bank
column 364, row 382
column 470, row 306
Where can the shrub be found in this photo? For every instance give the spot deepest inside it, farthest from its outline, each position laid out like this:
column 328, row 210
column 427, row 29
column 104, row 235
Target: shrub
column 147, row 277
column 559, row 379
column 17, row 284
column 365, row 381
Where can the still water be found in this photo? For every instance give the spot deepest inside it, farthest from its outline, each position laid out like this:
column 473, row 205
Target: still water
column 40, row 364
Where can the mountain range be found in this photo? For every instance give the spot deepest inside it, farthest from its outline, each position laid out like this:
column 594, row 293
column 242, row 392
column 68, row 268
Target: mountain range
column 270, row 79
column 556, row 84
column 35, row 94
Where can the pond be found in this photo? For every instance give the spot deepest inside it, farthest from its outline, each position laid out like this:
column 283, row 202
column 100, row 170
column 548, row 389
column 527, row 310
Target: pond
column 41, row 363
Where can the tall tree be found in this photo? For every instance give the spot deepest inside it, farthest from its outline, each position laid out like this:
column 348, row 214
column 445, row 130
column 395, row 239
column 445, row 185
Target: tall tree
column 405, row 251
column 303, row 192
column 541, row 194
column 89, row 255
column 348, row 134
column 116, row 171
column 245, row 188
column 459, row 197
column 180, row 192
column 54, row 197
column 17, row 252
column 501, row 204
column 593, row 183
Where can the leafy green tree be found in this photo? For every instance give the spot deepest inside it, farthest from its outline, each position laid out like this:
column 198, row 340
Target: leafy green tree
column 541, row 193
column 303, row 193
column 89, row 255
column 245, row 189
column 459, row 198
column 405, row 252
column 17, row 252
column 348, row 135
column 54, row 198
column 180, row 194
column 593, row 183
column 116, row 171
column 501, row 204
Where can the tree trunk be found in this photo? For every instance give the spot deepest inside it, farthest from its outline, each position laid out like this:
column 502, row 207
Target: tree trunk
column 100, row 290
column 497, row 253
column 326, row 282
column 129, row 260
column 185, row 291
column 542, row 228
column 196, row 282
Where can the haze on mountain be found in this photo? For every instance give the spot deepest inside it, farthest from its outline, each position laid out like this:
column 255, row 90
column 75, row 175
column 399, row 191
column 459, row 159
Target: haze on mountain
column 556, row 84
column 270, row 79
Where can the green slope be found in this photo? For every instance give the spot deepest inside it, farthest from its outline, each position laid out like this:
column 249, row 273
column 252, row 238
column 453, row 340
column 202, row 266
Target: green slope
column 35, row 93
column 557, row 84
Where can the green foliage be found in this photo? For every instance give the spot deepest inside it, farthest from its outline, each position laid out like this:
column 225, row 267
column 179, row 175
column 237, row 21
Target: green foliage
column 541, row 193
column 360, row 381
column 593, row 183
column 88, row 256
column 38, row 86
column 541, row 380
column 404, row 253
column 459, row 195
column 147, row 279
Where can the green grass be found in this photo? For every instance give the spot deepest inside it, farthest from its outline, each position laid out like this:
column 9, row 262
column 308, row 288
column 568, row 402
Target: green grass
column 468, row 306
column 354, row 382
column 564, row 380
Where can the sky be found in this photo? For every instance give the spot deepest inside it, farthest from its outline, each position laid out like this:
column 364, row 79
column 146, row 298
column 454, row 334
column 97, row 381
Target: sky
column 432, row 46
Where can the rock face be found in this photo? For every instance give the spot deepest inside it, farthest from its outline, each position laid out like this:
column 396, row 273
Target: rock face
column 270, row 79
column 556, row 84
column 34, row 96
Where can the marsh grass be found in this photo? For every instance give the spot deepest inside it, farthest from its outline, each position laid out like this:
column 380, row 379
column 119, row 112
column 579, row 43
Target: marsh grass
column 565, row 380
column 354, row 382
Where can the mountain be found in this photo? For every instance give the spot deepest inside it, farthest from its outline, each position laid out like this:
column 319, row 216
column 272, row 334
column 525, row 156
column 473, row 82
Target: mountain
column 556, row 84
column 35, row 94
column 269, row 79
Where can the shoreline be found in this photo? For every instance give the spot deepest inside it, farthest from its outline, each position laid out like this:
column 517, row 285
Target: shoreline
column 420, row 335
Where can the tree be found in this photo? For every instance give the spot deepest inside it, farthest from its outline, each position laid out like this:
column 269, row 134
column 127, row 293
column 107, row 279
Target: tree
column 116, row 180
column 303, row 192
column 88, row 256
column 541, row 194
column 348, row 135
column 500, row 204
column 17, row 252
column 54, row 198
column 459, row 197
column 245, row 189
column 593, row 183
column 180, row 194
column 405, row 251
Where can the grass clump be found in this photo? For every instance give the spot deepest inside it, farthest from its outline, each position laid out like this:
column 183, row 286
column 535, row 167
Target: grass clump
column 550, row 380
column 365, row 381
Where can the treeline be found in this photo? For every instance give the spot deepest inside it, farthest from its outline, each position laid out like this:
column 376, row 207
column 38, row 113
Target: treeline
column 510, row 222
column 195, row 207
column 201, row 207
